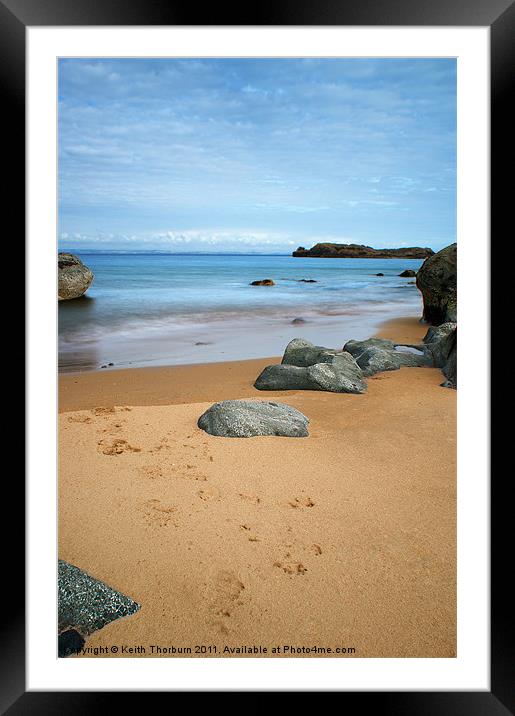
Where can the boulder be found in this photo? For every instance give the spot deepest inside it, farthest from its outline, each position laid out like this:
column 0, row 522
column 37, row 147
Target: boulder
column 355, row 348
column 73, row 277
column 408, row 273
column 85, row 604
column 320, row 376
column 379, row 354
column 450, row 369
column 245, row 419
column 436, row 280
column 439, row 341
column 303, row 353
column 376, row 360
column 263, row 282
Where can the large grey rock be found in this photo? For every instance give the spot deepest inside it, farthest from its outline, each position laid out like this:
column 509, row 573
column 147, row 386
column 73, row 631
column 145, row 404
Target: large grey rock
column 439, row 341
column 73, row 277
column 356, row 348
column 85, row 603
column 376, row 360
column 245, row 419
column 449, row 369
column 331, row 377
column 436, row 279
column 376, row 355
column 302, row 353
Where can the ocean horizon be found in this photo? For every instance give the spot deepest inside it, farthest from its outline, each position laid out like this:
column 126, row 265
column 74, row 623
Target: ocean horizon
column 150, row 308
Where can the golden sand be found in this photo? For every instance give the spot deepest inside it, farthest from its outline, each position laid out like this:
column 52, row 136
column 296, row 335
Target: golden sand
column 345, row 539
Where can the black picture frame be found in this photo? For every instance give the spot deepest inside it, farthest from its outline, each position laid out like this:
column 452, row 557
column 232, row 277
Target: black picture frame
column 499, row 15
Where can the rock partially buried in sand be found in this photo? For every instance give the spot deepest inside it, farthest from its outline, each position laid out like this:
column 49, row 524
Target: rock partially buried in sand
column 85, row 604
column 441, row 342
column 308, row 367
column 246, row 419
column 263, row 282
column 73, row 277
column 376, row 355
column 321, row 376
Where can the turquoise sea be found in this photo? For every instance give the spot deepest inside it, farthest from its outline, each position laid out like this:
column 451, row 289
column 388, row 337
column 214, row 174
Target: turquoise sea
column 146, row 309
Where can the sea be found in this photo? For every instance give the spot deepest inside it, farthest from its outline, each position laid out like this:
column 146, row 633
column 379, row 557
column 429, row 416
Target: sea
column 152, row 309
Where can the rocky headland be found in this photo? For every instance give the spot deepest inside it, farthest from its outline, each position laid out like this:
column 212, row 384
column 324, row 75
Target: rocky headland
column 359, row 251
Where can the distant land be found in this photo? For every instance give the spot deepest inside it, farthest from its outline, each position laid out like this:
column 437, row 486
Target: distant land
column 358, row 251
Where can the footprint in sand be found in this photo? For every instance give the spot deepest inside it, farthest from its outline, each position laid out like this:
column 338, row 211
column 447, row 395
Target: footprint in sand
column 157, row 514
column 151, row 471
column 116, row 447
column 290, row 567
column 301, row 502
column 209, row 493
column 250, row 498
column 113, row 428
column 317, row 549
column 229, row 592
column 186, row 472
column 79, row 419
column 103, row 411
column 247, row 529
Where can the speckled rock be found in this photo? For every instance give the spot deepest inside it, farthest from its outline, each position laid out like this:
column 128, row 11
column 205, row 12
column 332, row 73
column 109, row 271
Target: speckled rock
column 86, row 604
column 73, row 277
column 245, row 419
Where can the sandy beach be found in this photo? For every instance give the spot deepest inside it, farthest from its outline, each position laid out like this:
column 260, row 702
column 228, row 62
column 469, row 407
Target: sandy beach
column 345, row 539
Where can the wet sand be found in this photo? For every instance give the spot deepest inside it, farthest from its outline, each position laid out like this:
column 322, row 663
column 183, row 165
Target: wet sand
column 345, row 539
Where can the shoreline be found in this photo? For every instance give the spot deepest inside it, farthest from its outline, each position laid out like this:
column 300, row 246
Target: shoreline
column 346, row 538
column 177, row 384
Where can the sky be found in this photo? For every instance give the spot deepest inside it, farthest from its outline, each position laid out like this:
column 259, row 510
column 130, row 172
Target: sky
column 256, row 155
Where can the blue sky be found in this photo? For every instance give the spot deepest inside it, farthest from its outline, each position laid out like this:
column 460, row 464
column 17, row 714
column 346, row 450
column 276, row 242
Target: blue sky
column 256, row 154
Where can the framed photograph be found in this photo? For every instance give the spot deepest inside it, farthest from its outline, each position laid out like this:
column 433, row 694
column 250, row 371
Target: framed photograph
column 251, row 463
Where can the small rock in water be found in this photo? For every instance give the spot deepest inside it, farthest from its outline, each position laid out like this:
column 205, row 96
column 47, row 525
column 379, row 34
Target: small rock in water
column 408, row 273
column 201, row 343
column 307, row 280
column 297, row 321
column 245, row 419
column 379, row 274
column 103, row 366
column 263, row 282
column 110, row 364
